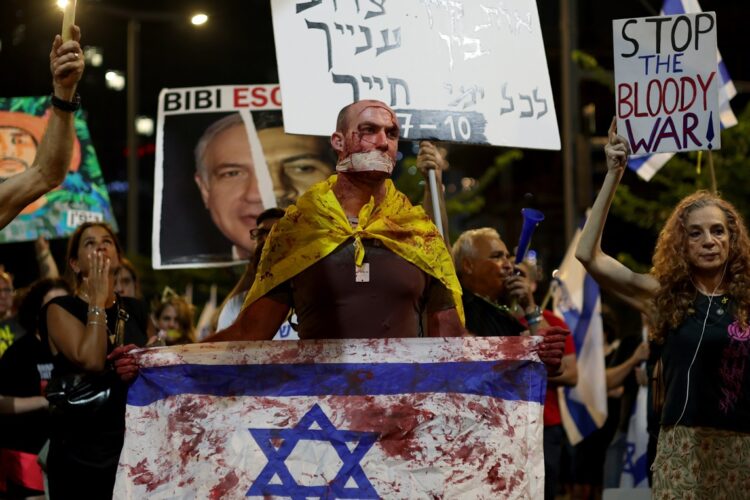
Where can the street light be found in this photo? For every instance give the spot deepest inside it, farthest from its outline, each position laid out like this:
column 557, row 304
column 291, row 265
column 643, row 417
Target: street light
column 199, row 19
column 144, row 125
column 114, row 80
column 134, row 19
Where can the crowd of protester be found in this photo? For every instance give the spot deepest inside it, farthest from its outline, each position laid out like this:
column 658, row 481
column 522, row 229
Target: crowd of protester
column 67, row 331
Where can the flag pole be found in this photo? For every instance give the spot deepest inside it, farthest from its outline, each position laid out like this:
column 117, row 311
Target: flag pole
column 711, row 171
column 436, row 214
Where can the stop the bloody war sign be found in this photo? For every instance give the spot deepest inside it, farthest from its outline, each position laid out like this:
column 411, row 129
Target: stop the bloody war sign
column 667, row 83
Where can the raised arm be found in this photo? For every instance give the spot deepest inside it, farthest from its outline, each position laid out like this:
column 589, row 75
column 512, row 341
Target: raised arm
column 84, row 345
column 44, row 259
column 633, row 288
column 53, row 156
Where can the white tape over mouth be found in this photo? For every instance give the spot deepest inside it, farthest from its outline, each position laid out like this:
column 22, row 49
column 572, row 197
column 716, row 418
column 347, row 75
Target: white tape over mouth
column 371, row 161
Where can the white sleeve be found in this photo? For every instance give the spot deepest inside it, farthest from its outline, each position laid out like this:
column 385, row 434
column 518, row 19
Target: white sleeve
column 230, row 311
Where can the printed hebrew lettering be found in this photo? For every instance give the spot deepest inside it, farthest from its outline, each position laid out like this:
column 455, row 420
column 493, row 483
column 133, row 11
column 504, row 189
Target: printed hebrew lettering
column 373, row 13
column 507, row 98
column 386, row 46
column 368, row 40
column 538, row 100
column 351, row 81
column 530, row 112
column 394, row 96
column 323, row 26
column 307, row 5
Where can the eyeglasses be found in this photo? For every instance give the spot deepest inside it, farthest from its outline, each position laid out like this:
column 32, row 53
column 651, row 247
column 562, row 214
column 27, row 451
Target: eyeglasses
column 258, row 232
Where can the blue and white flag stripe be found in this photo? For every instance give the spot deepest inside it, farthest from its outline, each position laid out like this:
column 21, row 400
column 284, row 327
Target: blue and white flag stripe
column 367, row 418
column 341, row 379
column 635, row 462
column 583, row 408
column 647, row 165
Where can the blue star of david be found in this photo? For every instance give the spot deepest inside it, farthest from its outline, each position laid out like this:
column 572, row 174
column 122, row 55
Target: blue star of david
column 629, row 465
column 635, row 466
column 289, row 438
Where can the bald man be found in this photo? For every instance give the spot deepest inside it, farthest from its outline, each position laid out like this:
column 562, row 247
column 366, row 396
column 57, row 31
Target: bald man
column 353, row 257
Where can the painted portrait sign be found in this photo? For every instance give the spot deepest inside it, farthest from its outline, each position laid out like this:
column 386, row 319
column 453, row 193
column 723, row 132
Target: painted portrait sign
column 81, row 197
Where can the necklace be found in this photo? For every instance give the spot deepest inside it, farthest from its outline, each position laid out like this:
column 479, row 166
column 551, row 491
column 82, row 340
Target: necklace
column 715, row 306
column 494, row 304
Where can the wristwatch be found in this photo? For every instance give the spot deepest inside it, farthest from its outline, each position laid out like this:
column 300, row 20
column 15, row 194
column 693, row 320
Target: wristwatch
column 69, row 106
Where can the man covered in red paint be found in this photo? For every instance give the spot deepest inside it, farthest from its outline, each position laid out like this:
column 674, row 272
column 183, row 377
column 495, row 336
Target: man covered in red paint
column 353, row 257
column 354, row 248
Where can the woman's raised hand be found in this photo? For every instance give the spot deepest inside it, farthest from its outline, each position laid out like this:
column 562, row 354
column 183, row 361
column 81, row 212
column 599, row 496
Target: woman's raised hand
column 616, row 149
column 97, row 282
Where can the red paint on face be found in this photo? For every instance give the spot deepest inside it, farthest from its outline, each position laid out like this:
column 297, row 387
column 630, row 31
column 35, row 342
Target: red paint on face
column 371, row 125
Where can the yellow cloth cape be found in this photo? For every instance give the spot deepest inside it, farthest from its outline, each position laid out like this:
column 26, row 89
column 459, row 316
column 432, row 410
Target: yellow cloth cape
column 317, row 225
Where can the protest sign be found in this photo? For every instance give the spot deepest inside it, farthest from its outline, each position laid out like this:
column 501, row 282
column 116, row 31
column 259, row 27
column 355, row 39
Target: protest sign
column 468, row 71
column 221, row 158
column 80, row 198
column 666, row 83
column 365, row 418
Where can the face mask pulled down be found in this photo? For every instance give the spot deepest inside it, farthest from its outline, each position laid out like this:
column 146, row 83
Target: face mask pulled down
column 371, row 161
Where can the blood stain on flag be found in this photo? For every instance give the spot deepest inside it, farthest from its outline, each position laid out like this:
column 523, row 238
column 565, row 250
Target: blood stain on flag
column 475, row 432
column 228, row 482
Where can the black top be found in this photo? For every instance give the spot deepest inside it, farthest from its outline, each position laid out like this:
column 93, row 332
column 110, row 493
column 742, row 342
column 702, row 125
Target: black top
column 25, row 370
column 719, row 381
column 486, row 319
column 97, row 438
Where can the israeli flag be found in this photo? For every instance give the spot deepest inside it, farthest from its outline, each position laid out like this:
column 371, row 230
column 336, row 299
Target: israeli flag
column 458, row 417
column 576, row 298
column 646, row 166
column 635, row 462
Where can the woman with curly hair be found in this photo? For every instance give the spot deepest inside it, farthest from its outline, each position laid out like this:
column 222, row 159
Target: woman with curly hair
column 696, row 299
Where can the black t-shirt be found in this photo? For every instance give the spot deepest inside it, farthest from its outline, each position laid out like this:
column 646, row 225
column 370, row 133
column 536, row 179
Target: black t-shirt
column 485, row 319
column 719, row 382
column 25, row 370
